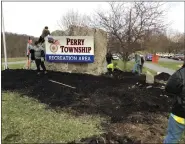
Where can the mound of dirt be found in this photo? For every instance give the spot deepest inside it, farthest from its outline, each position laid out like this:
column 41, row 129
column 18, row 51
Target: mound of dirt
column 107, row 138
column 127, row 75
column 162, row 76
column 132, row 108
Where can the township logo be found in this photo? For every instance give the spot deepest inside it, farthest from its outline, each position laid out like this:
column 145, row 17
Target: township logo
column 54, row 46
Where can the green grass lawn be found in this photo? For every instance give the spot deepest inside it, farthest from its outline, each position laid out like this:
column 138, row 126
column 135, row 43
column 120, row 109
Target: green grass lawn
column 13, row 66
column 170, row 65
column 130, row 65
column 14, row 59
column 25, row 120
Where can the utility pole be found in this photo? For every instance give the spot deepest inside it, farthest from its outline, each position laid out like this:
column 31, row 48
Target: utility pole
column 4, row 42
column 184, row 37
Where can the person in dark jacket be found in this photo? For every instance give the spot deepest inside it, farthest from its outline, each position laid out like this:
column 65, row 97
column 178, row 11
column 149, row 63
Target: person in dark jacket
column 109, row 58
column 176, row 125
column 142, row 63
column 39, row 56
column 45, row 33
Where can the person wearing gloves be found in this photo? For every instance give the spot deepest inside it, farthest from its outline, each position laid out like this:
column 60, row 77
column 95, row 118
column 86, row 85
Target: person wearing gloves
column 112, row 67
column 176, row 123
column 44, row 34
column 39, row 56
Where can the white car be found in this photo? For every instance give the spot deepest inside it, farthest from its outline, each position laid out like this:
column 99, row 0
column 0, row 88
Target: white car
column 170, row 55
column 165, row 55
column 159, row 54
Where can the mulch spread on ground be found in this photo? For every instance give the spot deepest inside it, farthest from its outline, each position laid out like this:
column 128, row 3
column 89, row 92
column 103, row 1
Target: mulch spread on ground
column 162, row 76
column 137, row 111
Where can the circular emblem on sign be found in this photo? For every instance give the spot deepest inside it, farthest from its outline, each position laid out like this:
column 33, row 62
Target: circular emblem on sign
column 53, row 48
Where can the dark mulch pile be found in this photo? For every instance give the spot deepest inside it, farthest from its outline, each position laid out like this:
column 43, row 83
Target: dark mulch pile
column 162, row 76
column 117, row 74
column 118, row 98
column 107, row 138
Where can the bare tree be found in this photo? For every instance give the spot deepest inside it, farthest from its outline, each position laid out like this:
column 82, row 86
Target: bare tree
column 176, row 41
column 179, row 41
column 73, row 18
column 130, row 23
column 16, row 44
column 158, row 42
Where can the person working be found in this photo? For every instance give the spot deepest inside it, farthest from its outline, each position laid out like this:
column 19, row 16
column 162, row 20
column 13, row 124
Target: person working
column 44, row 34
column 109, row 57
column 176, row 125
column 39, row 56
column 142, row 63
column 112, row 67
column 137, row 65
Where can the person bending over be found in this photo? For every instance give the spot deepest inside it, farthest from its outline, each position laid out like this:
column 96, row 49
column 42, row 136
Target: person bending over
column 112, row 67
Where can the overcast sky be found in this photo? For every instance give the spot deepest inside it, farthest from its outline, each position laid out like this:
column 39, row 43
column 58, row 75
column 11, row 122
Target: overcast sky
column 31, row 17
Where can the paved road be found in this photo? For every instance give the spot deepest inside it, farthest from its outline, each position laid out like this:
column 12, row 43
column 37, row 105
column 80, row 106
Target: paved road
column 158, row 68
column 162, row 69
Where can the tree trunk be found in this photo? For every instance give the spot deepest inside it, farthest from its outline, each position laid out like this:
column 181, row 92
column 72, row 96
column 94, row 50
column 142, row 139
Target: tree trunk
column 125, row 65
column 125, row 60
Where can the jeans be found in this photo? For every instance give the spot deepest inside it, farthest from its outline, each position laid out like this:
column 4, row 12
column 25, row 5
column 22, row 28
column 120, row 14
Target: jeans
column 136, row 68
column 39, row 63
column 174, row 131
column 141, row 67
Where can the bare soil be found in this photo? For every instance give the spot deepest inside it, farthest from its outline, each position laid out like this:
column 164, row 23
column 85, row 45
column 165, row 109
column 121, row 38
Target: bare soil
column 137, row 111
